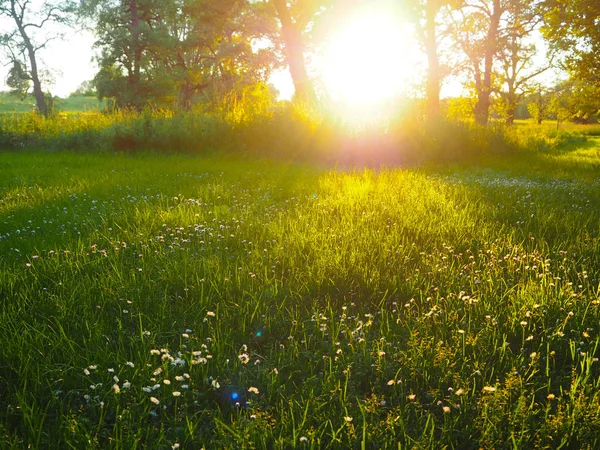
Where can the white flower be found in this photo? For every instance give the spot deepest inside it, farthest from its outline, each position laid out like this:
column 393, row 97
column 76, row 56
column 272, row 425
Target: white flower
column 215, row 384
column 176, row 393
column 244, row 358
column 210, row 314
column 116, row 388
column 391, row 382
column 253, row 390
column 147, row 389
column 179, row 378
column 167, row 382
column 184, row 386
column 348, row 419
column 86, row 372
column 155, row 400
column 155, row 387
column 126, row 385
column 130, row 364
column 154, row 352
column 303, row 439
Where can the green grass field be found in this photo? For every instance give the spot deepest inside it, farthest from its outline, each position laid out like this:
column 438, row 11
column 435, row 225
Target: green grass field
column 156, row 301
column 11, row 104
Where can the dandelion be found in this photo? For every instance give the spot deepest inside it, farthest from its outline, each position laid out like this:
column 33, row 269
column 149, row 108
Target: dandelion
column 253, row 390
column 380, row 354
column 155, row 400
column 176, row 393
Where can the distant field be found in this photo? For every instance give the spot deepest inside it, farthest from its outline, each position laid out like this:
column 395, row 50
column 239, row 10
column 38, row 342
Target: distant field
column 14, row 104
column 153, row 300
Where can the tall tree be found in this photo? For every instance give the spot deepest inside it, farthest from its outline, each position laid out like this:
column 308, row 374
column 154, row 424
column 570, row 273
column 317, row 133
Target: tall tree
column 173, row 50
column 573, row 28
column 425, row 15
column 476, row 30
column 296, row 17
column 28, row 38
column 516, row 66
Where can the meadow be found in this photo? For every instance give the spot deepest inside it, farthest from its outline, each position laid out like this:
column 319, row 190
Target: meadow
column 211, row 299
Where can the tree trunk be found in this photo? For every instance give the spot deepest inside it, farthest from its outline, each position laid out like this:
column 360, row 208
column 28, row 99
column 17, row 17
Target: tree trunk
column 294, row 51
column 482, row 109
column 433, row 69
column 135, row 75
column 35, row 79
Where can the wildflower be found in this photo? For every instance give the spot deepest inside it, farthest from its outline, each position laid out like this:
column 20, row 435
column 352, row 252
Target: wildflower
column 210, row 314
column 116, row 388
column 147, row 389
column 184, row 386
column 155, row 400
column 157, row 372
column 446, row 409
column 176, row 393
column 550, row 396
column 167, row 382
column 155, row 387
column 179, row 378
column 489, row 389
column 253, row 390
column 461, row 331
column 215, row 384
column 116, row 379
column 391, row 382
column 92, row 367
column 185, row 335
column 412, row 397
column 459, row 391
column 348, row 419
column 303, row 439
column 130, row 364
column 154, row 352
column 126, row 385
column 111, row 370
column 244, row 358
column 86, row 372
column 175, row 446
column 523, row 323
column 380, row 354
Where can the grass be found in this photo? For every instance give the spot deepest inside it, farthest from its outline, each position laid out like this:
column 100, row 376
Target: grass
column 152, row 300
column 13, row 104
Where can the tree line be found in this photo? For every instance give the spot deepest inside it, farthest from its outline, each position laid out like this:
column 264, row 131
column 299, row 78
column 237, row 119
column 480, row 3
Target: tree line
column 183, row 52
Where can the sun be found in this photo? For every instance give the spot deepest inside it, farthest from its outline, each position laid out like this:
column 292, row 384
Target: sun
column 369, row 59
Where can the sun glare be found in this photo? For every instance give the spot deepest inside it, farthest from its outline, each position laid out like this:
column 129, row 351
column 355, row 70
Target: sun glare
column 368, row 60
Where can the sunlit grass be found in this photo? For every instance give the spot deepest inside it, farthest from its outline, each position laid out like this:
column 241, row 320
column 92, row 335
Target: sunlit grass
column 221, row 302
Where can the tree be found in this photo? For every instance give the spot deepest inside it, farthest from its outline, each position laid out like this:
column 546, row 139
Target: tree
column 539, row 104
column 515, row 58
column 294, row 17
column 26, row 40
column 572, row 27
column 424, row 14
column 476, row 31
column 170, row 51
